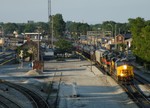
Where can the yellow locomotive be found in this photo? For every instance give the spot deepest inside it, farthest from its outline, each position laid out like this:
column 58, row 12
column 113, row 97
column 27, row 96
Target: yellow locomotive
column 121, row 70
column 114, row 66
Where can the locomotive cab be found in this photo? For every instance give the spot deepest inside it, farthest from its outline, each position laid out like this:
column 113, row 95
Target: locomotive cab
column 124, row 72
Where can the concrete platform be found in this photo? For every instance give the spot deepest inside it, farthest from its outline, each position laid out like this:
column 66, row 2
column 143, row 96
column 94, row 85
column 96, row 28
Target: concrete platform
column 81, row 88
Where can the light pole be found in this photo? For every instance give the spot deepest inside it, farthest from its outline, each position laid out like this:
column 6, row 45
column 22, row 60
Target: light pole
column 112, row 28
column 115, row 36
column 52, row 33
column 38, row 40
column 91, row 54
column 100, row 35
column 38, row 58
column 3, row 38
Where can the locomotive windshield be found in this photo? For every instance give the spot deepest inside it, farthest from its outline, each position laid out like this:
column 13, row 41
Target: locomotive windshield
column 120, row 62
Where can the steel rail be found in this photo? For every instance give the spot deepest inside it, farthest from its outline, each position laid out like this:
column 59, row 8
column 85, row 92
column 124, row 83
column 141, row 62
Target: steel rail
column 36, row 100
column 137, row 96
column 8, row 103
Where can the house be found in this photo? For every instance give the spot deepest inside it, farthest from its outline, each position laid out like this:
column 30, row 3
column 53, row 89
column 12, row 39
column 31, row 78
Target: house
column 119, row 41
column 124, row 39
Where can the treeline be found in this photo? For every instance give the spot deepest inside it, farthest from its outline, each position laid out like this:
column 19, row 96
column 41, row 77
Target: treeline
column 9, row 28
column 139, row 28
column 61, row 28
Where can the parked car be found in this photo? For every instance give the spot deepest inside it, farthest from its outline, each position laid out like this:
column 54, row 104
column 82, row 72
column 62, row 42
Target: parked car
column 49, row 52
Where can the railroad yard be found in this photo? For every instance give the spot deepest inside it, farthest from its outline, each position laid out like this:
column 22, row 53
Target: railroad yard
column 76, row 83
column 73, row 59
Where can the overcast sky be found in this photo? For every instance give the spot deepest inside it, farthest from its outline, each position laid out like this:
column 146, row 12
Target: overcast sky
column 89, row 11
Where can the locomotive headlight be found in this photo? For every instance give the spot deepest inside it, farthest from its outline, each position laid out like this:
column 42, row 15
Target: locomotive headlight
column 121, row 74
column 124, row 66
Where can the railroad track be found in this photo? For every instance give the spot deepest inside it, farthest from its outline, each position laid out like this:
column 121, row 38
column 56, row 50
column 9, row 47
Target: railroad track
column 6, row 58
column 138, row 97
column 36, row 100
column 133, row 91
column 8, row 103
column 143, row 82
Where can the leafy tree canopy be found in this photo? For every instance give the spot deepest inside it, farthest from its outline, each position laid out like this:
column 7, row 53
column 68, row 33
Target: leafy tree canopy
column 9, row 28
column 63, row 46
column 141, row 38
column 58, row 25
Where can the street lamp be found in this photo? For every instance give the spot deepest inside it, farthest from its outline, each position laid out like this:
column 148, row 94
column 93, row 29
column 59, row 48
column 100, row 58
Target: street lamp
column 91, row 54
column 115, row 34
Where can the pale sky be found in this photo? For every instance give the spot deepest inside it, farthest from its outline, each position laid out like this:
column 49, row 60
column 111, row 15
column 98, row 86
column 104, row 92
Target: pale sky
column 89, row 11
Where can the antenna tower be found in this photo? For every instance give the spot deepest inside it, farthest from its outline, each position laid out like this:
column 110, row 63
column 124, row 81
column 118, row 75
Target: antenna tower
column 50, row 20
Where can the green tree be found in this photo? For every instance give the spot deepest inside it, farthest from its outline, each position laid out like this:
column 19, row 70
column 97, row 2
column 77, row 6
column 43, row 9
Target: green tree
column 141, row 38
column 145, row 40
column 10, row 28
column 30, row 27
column 44, row 27
column 63, row 46
column 76, row 29
column 58, row 25
column 21, row 27
column 136, row 28
column 83, row 28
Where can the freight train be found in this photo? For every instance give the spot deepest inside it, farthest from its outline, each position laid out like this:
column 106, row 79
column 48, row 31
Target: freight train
column 112, row 63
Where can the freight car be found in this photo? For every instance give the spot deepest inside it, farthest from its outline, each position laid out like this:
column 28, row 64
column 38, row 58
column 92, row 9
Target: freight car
column 100, row 57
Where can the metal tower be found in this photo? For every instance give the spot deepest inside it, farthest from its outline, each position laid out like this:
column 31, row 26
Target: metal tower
column 50, row 20
column 49, row 10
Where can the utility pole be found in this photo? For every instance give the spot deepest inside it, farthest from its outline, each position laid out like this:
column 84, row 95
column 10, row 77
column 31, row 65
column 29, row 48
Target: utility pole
column 112, row 29
column 38, row 58
column 52, row 34
column 115, row 37
column 3, row 38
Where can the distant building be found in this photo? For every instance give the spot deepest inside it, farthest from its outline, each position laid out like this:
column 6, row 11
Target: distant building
column 93, row 33
column 30, row 22
column 32, row 36
column 123, row 38
column 119, row 39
